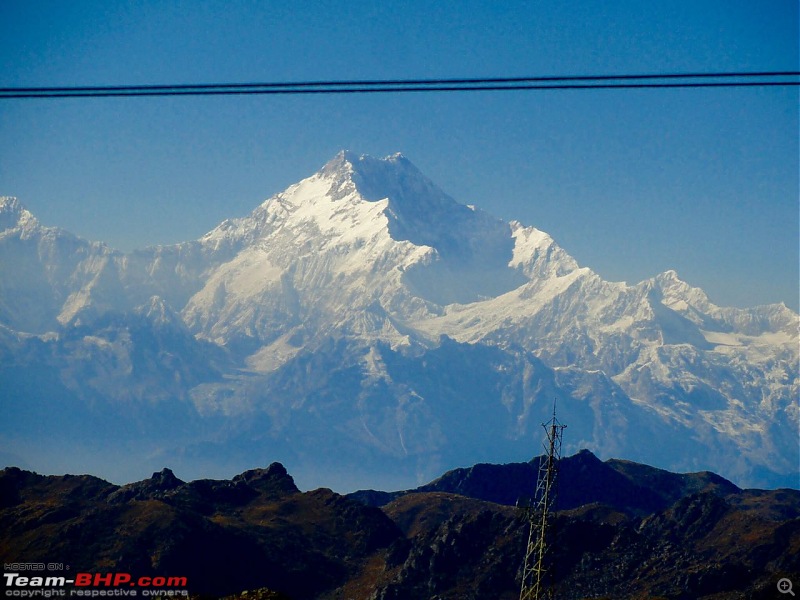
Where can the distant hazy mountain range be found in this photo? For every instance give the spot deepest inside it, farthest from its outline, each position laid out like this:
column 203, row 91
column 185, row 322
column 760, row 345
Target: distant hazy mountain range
column 363, row 327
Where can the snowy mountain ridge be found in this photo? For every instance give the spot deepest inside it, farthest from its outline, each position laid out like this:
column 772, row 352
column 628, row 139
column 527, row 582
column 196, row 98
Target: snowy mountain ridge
column 359, row 313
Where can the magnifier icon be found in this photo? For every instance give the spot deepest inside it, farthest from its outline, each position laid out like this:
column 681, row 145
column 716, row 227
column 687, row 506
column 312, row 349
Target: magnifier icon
column 785, row 586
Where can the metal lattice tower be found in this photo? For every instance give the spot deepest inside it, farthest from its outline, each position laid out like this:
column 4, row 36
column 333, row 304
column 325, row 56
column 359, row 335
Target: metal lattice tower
column 538, row 514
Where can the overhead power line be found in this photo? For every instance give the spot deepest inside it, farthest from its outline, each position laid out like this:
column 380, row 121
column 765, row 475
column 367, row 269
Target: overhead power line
column 493, row 84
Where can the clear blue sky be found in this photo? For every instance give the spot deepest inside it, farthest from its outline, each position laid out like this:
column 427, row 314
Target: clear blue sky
column 631, row 183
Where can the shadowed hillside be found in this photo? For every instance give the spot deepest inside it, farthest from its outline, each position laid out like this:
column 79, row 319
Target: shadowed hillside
column 622, row 530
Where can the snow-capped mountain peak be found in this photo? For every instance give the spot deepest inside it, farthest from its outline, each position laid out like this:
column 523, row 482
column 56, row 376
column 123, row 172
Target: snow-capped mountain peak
column 365, row 303
column 417, row 210
column 393, row 177
column 14, row 215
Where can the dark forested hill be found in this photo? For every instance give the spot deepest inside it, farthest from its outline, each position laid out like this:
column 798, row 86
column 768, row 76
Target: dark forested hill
column 622, row 530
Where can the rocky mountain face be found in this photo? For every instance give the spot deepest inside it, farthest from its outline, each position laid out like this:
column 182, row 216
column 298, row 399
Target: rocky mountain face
column 621, row 530
column 364, row 326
